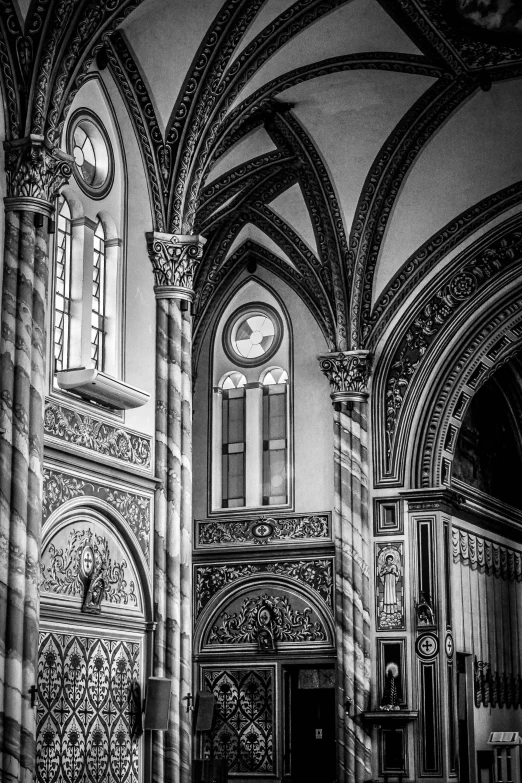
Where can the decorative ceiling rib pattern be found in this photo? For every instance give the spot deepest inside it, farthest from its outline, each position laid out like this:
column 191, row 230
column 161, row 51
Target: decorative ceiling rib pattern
column 258, row 72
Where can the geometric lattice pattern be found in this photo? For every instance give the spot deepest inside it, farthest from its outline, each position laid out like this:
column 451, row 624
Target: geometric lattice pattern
column 243, row 722
column 84, row 716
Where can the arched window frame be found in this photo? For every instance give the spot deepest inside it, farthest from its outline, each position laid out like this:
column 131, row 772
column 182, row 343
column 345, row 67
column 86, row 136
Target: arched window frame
column 85, row 246
column 254, row 393
column 62, row 286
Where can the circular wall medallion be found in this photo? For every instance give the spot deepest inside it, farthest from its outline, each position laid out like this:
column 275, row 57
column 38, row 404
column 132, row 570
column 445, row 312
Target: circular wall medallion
column 262, row 530
column 427, row 645
column 449, row 645
column 252, row 334
column 88, row 143
column 87, row 561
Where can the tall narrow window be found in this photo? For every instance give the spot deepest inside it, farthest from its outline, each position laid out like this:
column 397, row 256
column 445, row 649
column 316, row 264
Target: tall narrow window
column 62, row 287
column 233, row 441
column 98, row 299
column 275, row 443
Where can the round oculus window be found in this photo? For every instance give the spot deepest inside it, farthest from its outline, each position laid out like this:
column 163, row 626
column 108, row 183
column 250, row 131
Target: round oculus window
column 253, row 334
column 90, row 147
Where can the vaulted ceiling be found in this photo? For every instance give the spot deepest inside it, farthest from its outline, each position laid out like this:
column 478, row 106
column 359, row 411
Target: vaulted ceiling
column 344, row 144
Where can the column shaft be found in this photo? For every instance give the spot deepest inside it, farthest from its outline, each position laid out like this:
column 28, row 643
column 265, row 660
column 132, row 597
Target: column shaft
column 172, row 752
column 22, row 358
column 352, row 541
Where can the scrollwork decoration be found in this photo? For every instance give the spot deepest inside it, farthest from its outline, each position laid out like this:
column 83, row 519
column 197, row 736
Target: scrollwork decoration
column 85, row 568
column 287, row 624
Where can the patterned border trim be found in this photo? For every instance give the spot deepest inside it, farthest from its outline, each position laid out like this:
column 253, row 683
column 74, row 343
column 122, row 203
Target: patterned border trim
column 484, row 555
column 262, row 531
column 87, row 432
column 59, row 487
column 211, row 579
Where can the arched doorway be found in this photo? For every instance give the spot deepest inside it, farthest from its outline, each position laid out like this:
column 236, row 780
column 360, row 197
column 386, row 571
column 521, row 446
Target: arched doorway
column 91, row 653
column 265, row 649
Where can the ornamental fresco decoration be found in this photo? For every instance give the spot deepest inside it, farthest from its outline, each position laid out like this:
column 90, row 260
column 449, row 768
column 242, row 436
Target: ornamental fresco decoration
column 265, row 530
column 90, row 433
column 209, row 580
column 243, row 722
column 286, row 623
column 84, row 568
column 84, row 715
column 59, row 487
column 390, row 586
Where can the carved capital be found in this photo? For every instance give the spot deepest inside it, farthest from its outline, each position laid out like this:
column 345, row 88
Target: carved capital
column 174, row 258
column 348, row 373
column 35, row 172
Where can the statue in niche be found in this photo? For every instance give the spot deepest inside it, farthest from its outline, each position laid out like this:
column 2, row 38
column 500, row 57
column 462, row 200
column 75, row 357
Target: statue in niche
column 424, row 609
column 389, row 571
column 390, row 697
column 265, row 630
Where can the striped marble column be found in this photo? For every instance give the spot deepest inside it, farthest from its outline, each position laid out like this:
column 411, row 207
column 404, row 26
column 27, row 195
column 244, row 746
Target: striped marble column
column 174, row 259
column 348, row 373
column 34, row 175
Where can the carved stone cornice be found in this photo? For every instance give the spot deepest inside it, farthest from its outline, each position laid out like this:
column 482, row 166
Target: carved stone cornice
column 348, row 373
column 35, row 172
column 174, row 258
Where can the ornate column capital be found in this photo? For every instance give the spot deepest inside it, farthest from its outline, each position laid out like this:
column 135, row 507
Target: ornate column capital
column 174, row 258
column 35, row 172
column 348, row 373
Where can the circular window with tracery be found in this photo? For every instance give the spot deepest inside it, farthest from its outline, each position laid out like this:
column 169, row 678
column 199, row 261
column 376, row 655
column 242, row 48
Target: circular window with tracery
column 252, row 334
column 90, row 147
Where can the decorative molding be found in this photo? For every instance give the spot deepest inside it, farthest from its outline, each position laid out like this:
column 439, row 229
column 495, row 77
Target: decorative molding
column 487, row 556
column 264, row 530
column 417, row 267
column 260, row 106
column 59, row 487
column 35, row 170
column 65, row 574
column 434, row 313
column 382, row 187
column 174, row 258
column 210, row 579
column 214, row 104
column 492, row 345
column 99, row 437
column 289, row 625
column 457, row 47
column 348, row 373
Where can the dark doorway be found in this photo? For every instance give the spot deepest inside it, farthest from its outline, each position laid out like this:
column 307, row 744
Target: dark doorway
column 310, row 724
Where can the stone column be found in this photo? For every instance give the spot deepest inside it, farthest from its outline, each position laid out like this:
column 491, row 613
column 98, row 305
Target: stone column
column 348, row 373
column 35, row 173
column 174, row 260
